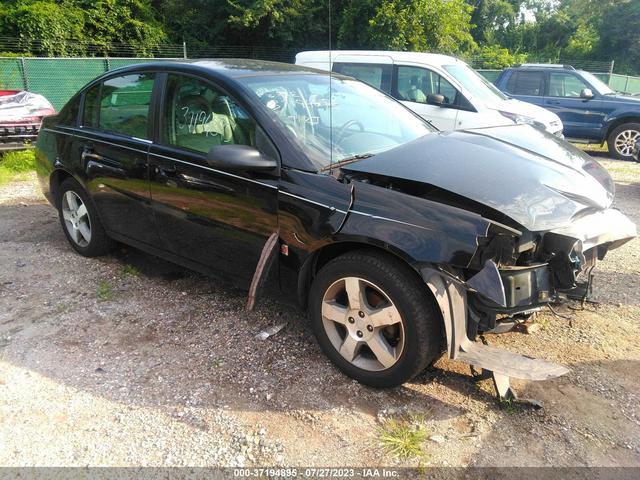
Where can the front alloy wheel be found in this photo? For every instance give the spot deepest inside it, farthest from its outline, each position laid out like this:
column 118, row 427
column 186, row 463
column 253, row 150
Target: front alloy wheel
column 375, row 318
column 363, row 324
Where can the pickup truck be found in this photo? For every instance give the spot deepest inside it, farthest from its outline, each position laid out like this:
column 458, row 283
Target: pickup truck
column 590, row 111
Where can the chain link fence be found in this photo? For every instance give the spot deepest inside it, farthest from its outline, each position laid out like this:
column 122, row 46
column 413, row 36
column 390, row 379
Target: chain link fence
column 59, row 78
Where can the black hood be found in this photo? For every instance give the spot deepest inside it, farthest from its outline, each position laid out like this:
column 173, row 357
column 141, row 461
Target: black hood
column 539, row 181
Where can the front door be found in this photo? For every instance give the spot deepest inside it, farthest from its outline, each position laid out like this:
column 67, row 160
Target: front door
column 111, row 148
column 582, row 117
column 218, row 219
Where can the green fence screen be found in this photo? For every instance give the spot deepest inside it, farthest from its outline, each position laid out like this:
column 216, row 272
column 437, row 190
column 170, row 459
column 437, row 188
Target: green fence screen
column 59, row 78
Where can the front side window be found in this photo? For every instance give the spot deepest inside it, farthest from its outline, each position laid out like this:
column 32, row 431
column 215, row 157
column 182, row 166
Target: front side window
column 415, row 84
column 526, row 83
column 378, row 76
column 597, row 84
column 198, row 116
column 124, row 104
column 334, row 119
column 565, row 85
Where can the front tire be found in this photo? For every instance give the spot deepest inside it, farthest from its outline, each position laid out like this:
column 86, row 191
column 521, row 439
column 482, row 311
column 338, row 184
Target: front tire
column 622, row 140
column 80, row 221
column 375, row 319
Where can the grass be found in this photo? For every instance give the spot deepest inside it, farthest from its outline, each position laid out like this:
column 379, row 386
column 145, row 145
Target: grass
column 105, row 291
column 593, row 147
column 402, row 438
column 15, row 164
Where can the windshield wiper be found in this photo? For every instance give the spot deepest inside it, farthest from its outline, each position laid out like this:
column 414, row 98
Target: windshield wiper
column 345, row 161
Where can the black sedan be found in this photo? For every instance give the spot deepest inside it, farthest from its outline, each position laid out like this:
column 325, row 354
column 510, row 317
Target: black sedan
column 400, row 241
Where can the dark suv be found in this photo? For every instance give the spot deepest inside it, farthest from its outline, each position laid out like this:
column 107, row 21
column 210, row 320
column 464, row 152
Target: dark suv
column 588, row 108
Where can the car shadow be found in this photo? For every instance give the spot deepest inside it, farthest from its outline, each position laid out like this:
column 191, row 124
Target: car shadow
column 138, row 330
column 597, row 401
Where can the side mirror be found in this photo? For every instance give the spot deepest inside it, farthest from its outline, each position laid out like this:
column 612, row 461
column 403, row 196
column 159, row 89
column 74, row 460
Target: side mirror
column 586, row 93
column 240, row 157
column 434, row 99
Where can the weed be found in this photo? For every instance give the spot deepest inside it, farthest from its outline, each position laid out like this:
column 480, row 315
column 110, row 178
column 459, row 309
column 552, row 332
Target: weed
column 402, row 438
column 509, row 406
column 217, row 362
column 105, row 291
column 130, row 270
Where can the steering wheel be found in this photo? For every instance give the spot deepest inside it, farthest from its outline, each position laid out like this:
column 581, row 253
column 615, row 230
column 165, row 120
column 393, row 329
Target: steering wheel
column 274, row 101
column 345, row 127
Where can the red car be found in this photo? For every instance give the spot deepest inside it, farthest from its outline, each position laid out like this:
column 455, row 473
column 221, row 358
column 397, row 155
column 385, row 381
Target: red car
column 21, row 115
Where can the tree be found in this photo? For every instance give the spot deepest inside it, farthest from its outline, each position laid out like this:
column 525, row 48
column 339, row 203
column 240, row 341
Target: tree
column 417, row 25
column 496, row 58
column 620, row 35
column 491, row 18
column 42, row 26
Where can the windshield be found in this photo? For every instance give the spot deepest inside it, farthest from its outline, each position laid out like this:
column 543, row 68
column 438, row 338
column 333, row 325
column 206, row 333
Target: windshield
column 353, row 121
column 475, row 83
column 601, row 87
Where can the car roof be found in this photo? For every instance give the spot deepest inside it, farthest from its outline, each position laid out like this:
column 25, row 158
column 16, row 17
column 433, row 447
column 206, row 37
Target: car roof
column 417, row 57
column 545, row 66
column 228, row 67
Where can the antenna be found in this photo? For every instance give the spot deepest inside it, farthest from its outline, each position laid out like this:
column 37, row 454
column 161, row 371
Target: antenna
column 330, row 99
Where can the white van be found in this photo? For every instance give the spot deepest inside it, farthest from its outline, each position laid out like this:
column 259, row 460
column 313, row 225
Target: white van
column 442, row 89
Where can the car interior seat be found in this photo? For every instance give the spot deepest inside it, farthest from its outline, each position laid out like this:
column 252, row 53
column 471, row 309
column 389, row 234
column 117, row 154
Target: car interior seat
column 197, row 126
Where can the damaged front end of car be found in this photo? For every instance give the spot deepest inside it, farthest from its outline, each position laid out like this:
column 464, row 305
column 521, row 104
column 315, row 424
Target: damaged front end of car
column 548, row 222
column 512, row 275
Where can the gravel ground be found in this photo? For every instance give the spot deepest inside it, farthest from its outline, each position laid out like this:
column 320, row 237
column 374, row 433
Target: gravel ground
column 128, row 360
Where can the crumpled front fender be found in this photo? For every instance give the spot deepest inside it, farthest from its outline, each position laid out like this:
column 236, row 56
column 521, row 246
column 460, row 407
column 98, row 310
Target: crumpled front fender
column 451, row 297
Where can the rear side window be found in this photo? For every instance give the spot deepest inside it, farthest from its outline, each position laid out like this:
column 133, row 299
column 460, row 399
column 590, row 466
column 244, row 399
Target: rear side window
column 69, row 113
column 526, row 83
column 91, row 101
column 124, row 105
column 378, row 76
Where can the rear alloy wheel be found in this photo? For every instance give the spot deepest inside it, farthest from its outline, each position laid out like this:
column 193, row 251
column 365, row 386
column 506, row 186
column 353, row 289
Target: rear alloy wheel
column 76, row 218
column 374, row 318
column 622, row 140
column 80, row 222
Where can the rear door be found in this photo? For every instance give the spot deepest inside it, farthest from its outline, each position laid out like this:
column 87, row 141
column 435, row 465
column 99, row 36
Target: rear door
column 582, row 118
column 111, row 148
column 218, row 219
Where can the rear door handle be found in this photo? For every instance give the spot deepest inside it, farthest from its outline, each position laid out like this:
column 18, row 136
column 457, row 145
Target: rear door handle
column 89, row 153
column 166, row 171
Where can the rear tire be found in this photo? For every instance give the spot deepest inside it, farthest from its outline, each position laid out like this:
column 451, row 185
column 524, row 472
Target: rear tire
column 388, row 332
column 622, row 139
column 80, row 222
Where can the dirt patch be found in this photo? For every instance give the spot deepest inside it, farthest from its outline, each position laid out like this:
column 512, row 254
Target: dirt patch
column 130, row 360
